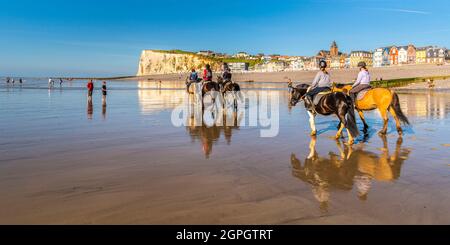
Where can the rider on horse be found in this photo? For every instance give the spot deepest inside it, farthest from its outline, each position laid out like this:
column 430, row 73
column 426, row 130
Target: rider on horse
column 226, row 73
column 193, row 78
column 362, row 82
column 207, row 74
column 320, row 84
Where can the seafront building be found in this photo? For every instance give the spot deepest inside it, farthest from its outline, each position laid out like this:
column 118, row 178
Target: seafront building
column 334, row 58
column 421, row 55
column 378, row 57
column 435, row 55
column 360, row 56
column 403, row 55
column 239, row 66
column 393, row 55
column 411, row 54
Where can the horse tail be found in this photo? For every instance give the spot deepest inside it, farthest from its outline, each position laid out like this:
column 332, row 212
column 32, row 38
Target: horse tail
column 350, row 118
column 395, row 105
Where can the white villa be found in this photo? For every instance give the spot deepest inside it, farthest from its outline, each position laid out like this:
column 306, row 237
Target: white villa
column 378, row 57
column 403, row 55
column 242, row 55
column 297, row 65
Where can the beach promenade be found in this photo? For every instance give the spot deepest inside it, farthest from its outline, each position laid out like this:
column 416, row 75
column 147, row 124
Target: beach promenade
column 338, row 76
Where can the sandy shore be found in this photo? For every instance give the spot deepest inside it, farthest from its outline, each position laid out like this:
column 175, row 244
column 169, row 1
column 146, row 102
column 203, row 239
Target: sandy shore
column 340, row 76
column 439, row 85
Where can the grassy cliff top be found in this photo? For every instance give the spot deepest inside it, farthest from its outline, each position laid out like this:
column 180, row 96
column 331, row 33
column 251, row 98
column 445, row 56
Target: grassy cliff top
column 174, row 51
column 209, row 58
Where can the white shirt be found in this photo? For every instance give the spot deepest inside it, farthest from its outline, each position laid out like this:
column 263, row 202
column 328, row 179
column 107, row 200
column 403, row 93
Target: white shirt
column 363, row 78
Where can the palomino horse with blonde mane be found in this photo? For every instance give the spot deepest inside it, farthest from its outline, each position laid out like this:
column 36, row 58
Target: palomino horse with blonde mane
column 382, row 99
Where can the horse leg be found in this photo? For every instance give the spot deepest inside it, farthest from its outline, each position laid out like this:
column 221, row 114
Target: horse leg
column 385, row 117
column 338, row 135
column 312, row 123
column 397, row 121
column 361, row 115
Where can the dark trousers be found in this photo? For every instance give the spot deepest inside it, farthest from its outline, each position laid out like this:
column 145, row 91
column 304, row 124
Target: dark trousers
column 359, row 88
column 315, row 91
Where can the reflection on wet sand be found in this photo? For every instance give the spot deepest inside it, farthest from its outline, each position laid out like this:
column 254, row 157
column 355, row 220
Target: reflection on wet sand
column 104, row 111
column 348, row 168
column 90, row 109
column 209, row 133
column 430, row 105
column 155, row 96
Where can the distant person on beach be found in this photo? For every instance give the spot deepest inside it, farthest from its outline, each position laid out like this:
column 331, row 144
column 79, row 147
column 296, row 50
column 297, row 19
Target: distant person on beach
column 60, row 82
column 290, row 85
column 321, row 83
column 207, row 74
column 104, row 93
column 20, row 81
column 362, row 82
column 13, row 81
column 7, row 80
column 90, row 87
column 51, row 83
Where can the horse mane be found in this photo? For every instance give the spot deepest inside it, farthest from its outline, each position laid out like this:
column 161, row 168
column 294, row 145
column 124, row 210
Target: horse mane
column 340, row 85
column 302, row 86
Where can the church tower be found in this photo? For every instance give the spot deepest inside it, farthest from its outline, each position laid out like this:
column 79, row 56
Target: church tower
column 334, row 51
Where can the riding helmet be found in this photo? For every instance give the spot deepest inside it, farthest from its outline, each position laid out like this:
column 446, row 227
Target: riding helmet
column 362, row 64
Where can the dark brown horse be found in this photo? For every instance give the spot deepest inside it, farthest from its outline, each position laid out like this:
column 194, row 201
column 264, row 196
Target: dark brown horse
column 336, row 103
column 229, row 86
column 210, row 86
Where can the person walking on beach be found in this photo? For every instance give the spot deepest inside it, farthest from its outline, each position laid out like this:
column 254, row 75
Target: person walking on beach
column 90, row 87
column 207, row 74
column 104, row 93
column 60, row 82
column 7, row 80
column 51, row 83
column 20, row 81
column 362, row 82
column 321, row 83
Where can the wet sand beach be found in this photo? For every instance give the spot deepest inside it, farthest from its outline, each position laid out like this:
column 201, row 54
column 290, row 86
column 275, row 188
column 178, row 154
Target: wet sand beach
column 62, row 162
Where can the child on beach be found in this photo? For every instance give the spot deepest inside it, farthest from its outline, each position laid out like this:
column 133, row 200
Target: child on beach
column 104, row 93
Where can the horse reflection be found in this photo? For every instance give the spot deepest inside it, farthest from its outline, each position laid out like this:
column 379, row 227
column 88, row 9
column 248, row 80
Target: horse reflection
column 347, row 169
column 214, row 123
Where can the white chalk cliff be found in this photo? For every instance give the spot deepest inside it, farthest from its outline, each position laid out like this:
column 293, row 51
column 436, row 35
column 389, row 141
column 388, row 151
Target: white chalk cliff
column 161, row 62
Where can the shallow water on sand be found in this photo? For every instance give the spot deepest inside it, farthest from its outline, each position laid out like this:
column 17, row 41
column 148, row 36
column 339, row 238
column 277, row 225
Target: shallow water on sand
column 63, row 162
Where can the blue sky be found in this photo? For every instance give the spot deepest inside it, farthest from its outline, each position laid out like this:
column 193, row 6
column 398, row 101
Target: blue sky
column 98, row 38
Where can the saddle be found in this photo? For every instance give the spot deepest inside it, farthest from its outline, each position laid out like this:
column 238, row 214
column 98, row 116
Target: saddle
column 362, row 94
column 319, row 96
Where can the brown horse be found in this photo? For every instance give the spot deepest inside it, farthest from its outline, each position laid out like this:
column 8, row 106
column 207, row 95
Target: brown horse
column 210, row 87
column 378, row 98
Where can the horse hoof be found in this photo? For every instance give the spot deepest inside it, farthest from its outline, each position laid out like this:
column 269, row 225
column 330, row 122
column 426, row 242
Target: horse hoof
column 313, row 133
column 382, row 133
